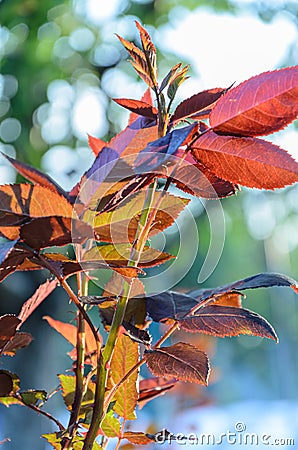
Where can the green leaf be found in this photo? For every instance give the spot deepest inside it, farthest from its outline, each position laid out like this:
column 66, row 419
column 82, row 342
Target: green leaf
column 68, row 384
column 111, row 425
column 55, row 440
column 32, row 397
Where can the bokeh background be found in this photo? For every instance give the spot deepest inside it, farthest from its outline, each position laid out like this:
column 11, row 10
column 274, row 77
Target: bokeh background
column 60, row 66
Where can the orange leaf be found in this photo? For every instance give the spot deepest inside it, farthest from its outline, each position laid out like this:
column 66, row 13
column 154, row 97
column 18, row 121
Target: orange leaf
column 125, row 356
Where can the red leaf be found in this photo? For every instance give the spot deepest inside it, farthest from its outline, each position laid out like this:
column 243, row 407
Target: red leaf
column 37, row 298
column 56, row 230
column 196, row 103
column 182, row 361
column 138, row 107
column 259, row 106
column 151, row 388
column 34, row 175
column 247, row 161
column 227, row 321
column 147, row 98
column 96, row 144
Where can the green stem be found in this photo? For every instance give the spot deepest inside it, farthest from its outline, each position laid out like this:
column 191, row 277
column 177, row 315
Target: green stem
column 105, row 359
column 82, row 284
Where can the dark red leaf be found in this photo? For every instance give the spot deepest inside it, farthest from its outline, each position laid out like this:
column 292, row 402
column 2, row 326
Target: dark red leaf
column 246, row 161
column 253, row 282
column 36, row 176
column 8, row 327
column 147, row 98
column 196, row 103
column 20, row 340
column 138, row 107
column 11, row 256
column 41, row 293
column 169, row 305
column 49, row 231
column 259, row 106
column 227, row 321
column 182, row 361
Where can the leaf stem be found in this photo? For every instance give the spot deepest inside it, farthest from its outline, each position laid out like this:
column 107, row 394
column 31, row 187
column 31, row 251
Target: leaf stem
column 82, row 284
column 40, row 411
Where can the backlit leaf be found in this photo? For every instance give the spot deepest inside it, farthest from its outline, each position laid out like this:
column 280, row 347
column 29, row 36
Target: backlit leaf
column 69, row 332
column 259, row 106
column 151, row 388
column 96, row 144
column 246, row 161
column 146, row 98
column 196, row 103
column 138, row 107
column 34, row 175
column 227, row 321
column 30, row 201
column 181, row 361
column 150, row 53
column 41, row 293
column 197, row 179
column 121, row 224
column 125, row 356
column 68, row 383
column 111, row 425
column 120, row 254
column 176, row 80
